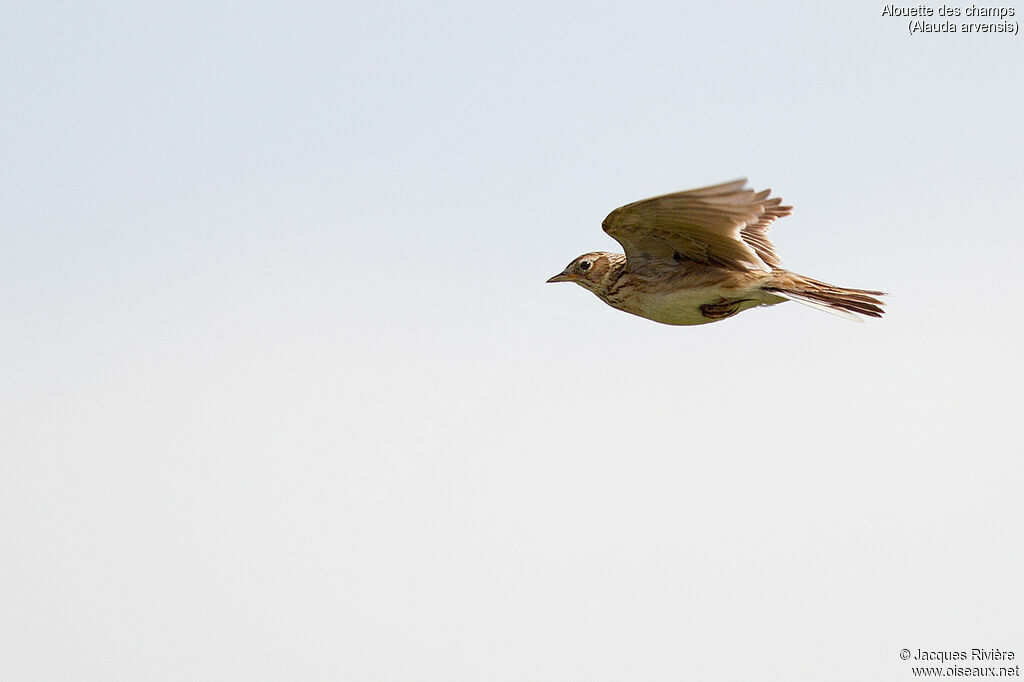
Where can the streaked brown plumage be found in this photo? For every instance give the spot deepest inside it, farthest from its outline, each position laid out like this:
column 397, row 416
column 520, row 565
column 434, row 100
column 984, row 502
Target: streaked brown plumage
column 701, row 256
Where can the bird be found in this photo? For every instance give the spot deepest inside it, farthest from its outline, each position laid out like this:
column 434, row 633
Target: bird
column 701, row 256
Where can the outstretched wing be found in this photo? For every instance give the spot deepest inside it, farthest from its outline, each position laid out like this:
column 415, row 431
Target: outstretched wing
column 724, row 225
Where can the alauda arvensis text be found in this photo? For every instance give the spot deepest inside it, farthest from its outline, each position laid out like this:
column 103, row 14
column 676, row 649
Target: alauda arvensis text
column 701, row 256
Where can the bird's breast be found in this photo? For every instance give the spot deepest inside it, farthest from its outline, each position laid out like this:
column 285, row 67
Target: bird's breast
column 678, row 306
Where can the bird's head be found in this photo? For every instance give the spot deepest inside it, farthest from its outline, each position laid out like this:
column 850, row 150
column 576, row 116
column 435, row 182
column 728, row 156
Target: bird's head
column 588, row 270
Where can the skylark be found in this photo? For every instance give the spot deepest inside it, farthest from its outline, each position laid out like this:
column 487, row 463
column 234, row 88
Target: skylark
column 701, row 256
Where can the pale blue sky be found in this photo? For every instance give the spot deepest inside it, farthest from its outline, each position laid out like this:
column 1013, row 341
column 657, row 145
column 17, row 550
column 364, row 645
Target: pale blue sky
column 286, row 396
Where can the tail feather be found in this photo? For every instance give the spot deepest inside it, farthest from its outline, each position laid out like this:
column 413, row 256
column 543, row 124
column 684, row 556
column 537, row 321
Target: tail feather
column 841, row 301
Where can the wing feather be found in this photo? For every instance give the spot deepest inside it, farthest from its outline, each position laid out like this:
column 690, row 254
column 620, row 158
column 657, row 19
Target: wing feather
column 724, row 224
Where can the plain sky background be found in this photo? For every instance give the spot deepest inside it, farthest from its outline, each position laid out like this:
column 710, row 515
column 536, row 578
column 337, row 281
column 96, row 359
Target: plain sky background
column 284, row 395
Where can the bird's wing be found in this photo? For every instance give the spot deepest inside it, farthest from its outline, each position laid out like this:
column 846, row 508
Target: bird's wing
column 724, row 225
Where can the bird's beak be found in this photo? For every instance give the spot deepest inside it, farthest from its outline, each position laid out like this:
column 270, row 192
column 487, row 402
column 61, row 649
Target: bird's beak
column 561, row 277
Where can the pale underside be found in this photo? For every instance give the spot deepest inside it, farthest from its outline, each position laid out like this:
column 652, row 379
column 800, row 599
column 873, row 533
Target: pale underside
column 689, row 294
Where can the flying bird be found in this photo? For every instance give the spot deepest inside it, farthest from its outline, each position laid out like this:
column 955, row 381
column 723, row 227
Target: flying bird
column 702, row 256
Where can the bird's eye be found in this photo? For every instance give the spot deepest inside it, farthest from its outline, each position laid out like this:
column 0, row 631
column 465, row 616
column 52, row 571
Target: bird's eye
column 584, row 265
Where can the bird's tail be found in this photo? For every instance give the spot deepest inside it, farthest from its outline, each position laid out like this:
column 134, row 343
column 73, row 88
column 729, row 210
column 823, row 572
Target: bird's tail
column 847, row 303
